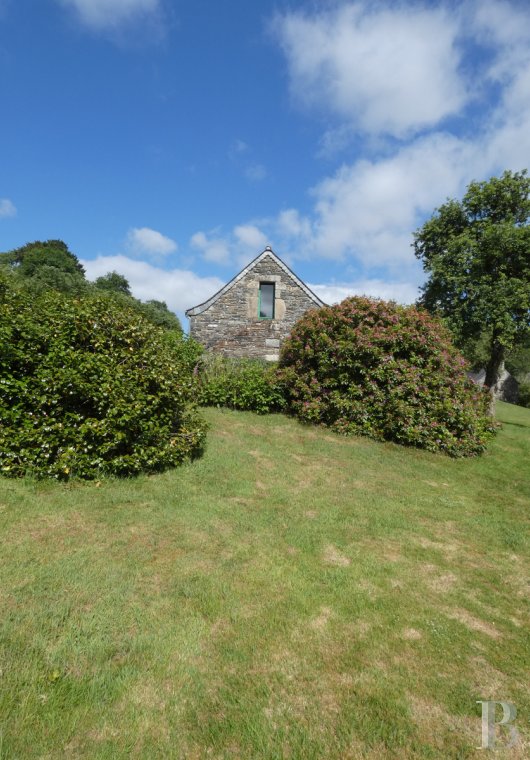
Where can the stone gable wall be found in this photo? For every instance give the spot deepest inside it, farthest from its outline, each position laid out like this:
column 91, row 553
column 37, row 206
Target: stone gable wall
column 231, row 326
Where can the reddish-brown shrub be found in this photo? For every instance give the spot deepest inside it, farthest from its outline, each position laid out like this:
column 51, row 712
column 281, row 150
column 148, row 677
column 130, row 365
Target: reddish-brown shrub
column 391, row 372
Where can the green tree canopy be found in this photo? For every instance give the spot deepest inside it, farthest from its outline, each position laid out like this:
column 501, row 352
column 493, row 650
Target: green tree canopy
column 114, row 282
column 46, row 265
column 477, row 254
column 158, row 313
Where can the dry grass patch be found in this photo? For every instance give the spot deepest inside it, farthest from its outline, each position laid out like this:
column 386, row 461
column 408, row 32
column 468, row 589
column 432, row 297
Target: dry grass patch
column 436, row 725
column 332, row 556
column 437, row 581
column 473, row 623
column 450, row 549
column 411, row 634
column 262, row 460
column 322, row 619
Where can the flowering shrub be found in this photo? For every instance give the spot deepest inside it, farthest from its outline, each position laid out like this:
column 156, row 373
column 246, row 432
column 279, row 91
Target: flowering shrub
column 89, row 387
column 245, row 384
column 390, row 372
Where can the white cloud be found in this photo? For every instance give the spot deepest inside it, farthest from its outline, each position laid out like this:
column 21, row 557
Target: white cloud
column 7, row 208
column 502, row 24
column 395, row 70
column 505, row 28
column 385, row 70
column 369, row 209
column 291, row 224
column 344, row 60
column 243, row 243
column 366, row 212
column 402, row 292
column 143, row 241
column 179, row 288
column 212, row 247
column 101, row 14
column 250, row 239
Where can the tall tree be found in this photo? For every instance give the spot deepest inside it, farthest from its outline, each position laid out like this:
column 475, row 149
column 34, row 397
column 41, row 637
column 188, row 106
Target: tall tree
column 158, row 313
column 46, row 265
column 477, row 254
column 114, row 282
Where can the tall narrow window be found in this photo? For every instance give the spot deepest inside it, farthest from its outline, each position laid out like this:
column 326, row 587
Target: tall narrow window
column 266, row 300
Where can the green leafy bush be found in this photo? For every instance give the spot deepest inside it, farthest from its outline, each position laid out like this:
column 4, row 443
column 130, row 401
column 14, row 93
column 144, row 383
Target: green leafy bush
column 189, row 352
column 89, row 387
column 387, row 371
column 524, row 395
column 245, row 384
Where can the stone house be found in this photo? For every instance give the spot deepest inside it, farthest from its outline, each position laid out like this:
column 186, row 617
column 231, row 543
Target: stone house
column 254, row 312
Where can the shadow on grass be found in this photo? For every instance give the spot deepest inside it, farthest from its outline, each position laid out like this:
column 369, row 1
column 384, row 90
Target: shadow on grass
column 517, row 424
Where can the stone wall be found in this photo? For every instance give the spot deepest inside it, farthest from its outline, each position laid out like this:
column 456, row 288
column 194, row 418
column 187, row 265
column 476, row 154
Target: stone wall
column 507, row 389
column 231, row 326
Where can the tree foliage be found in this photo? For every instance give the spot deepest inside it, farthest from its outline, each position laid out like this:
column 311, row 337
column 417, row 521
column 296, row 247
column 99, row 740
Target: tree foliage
column 50, row 265
column 158, row 313
column 113, row 282
column 477, row 254
column 89, row 387
column 46, row 265
column 390, row 372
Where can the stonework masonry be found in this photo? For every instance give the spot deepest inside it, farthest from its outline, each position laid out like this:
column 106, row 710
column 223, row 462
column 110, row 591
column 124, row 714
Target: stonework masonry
column 229, row 323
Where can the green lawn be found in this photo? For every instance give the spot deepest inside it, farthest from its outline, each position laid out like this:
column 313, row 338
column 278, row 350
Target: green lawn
column 293, row 594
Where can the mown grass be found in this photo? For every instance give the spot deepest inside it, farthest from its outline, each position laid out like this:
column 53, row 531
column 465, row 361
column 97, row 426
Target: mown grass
column 293, row 594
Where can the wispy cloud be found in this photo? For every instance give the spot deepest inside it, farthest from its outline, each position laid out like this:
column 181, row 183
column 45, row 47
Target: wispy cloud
column 238, row 246
column 255, row 172
column 250, row 239
column 212, row 246
column 238, row 148
column 143, row 241
column 104, row 14
column 7, row 208
column 240, row 155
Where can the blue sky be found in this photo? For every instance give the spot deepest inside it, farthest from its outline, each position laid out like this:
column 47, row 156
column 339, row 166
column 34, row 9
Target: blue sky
column 171, row 140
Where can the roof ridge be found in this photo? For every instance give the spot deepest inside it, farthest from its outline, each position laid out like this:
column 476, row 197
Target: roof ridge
column 194, row 310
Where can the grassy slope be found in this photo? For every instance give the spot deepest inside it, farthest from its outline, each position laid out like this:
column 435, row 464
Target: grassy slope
column 292, row 595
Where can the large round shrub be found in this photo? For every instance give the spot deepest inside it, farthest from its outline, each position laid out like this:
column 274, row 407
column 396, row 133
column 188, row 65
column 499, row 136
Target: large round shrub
column 89, row 387
column 375, row 368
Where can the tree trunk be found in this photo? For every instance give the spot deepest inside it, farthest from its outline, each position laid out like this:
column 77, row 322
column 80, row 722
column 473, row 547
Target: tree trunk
column 494, row 370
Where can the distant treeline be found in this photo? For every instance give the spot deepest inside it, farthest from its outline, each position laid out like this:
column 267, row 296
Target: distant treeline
column 50, row 265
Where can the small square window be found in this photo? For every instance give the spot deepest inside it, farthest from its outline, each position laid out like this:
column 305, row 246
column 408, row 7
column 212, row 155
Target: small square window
column 266, row 300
